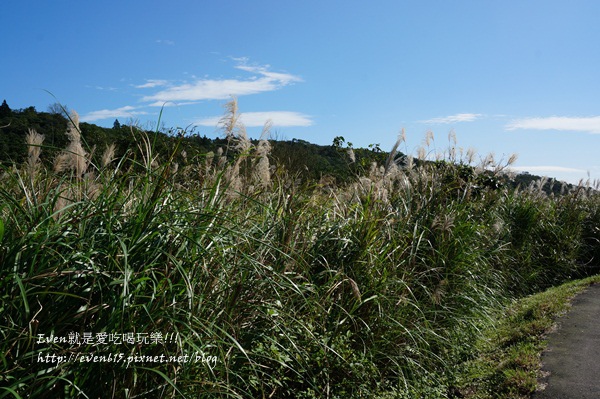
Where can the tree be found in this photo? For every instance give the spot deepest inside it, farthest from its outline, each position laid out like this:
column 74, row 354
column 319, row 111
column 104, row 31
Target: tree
column 58, row 109
column 31, row 111
column 5, row 109
column 117, row 125
column 338, row 142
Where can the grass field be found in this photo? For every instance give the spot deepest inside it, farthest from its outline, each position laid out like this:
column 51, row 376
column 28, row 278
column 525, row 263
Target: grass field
column 226, row 278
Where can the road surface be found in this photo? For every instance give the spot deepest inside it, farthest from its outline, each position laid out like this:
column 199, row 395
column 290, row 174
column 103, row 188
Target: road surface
column 571, row 362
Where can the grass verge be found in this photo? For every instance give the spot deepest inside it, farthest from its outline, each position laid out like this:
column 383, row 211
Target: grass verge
column 508, row 364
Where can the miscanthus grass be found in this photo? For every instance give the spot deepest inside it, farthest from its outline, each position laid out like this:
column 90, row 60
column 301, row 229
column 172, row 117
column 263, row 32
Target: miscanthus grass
column 252, row 285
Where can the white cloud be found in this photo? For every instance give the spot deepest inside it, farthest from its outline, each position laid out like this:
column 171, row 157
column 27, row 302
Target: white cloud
column 167, row 42
column 122, row 112
column 102, row 88
column 581, row 124
column 152, row 83
column 284, row 78
column 254, row 119
column 166, row 104
column 214, row 89
column 453, row 119
column 211, row 90
column 549, row 169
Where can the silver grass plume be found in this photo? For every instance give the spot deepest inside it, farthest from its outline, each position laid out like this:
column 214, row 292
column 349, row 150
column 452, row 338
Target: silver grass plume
column 392, row 156
column 452, row 154
column 351, row 155
column 452, row 137
column 263, row 171
column 410, row 162
column 488, row 161
column 243, row 144
column 428, row 138
column 74, row 156
column 402, row 136
column 208, row 160
column 470, row 155
column 229, row 122
column 34, row 141
column 78, row 154
column 108, row 155
column 232, row 176
column 222, row 159
column 373, row 171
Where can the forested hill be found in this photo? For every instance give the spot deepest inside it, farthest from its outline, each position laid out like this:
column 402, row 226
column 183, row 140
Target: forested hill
column 307, row 161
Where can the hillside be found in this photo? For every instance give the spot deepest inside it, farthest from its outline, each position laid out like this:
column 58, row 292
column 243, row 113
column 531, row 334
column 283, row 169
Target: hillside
column 311, row 163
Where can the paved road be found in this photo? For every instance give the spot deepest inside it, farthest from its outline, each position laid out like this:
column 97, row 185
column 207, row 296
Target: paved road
column 573, row 355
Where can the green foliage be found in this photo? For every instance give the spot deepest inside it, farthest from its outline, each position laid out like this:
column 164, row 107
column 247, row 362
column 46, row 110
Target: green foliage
column 14, row 127
column 372, row 284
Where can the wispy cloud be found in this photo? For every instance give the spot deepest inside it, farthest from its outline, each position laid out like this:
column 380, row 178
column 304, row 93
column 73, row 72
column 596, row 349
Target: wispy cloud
column 253, row 119
column 169, row 93
column 263, row 80
column 453, row 119
column 283, row 78
column 104, row 88
column 167, row 42
column 150, row 83
column 166, row 104
column 123, row 112
column 580, row 124
column 547, row 168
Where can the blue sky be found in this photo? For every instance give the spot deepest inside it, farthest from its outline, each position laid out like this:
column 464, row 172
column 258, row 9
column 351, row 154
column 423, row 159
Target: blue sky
column 507, row 77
